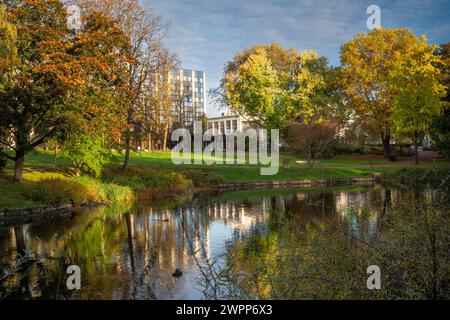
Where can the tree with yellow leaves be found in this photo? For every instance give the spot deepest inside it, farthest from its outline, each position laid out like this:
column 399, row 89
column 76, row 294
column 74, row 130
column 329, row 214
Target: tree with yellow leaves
column 8, row 43
column 370, row 62
column 419, row 88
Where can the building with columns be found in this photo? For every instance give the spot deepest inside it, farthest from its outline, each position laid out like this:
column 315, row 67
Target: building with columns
column 228, row 124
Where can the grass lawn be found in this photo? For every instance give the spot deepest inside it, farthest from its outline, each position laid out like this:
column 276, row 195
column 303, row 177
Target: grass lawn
column 338, row 167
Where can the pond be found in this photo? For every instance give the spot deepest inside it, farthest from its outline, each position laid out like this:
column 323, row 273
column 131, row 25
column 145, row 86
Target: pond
column 132, row 252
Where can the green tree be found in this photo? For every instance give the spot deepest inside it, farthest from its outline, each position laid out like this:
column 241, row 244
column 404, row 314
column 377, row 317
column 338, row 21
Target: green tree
column 30, row 101
column 271, row 85
column 369, row 63
column 256, row 89
column 419, row 94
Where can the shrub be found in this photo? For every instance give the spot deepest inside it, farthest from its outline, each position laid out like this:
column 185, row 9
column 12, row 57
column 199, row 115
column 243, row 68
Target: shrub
column 311, row 139
column 346, row 148
column 98, row 191
column 331, row 263
column 88, row 155
column 116, row 193
column 376, row 150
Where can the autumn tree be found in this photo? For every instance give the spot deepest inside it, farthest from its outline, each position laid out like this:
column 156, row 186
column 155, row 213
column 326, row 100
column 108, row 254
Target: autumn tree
column 31, row 102
column 440, row 132
column 271, row 85
column 145, row 31
column 49, row 89
column 97, row 116
column 369, row 64
column 419, row 94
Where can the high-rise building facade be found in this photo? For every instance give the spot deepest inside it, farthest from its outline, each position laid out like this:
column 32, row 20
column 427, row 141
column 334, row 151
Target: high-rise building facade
column 189, row 96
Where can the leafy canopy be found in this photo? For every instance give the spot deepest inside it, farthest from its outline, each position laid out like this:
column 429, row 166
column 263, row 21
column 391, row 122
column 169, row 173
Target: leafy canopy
column 272, row 86
column 62, row 82
column 369, row 64
column 420, row 91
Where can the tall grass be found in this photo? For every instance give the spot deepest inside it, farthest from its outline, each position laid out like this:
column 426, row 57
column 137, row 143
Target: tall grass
column 56, row 188
column 149, row 183
column 418, row 178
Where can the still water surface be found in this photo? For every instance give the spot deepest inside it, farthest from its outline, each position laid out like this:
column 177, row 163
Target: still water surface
column 132, row 252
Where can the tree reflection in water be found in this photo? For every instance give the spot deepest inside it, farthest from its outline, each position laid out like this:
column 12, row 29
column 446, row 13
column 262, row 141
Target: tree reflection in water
column 131, row 253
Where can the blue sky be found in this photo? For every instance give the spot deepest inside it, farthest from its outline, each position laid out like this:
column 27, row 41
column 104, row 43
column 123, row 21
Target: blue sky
column 205, row 34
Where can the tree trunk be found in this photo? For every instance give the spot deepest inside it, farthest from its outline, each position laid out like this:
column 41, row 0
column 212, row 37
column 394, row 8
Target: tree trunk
column 126, row 162
column 166, row 133
column 18, row 167
column 149, row 142
column 387, row 146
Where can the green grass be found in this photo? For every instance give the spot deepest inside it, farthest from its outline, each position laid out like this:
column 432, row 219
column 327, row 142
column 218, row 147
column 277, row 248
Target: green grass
column 339, row 167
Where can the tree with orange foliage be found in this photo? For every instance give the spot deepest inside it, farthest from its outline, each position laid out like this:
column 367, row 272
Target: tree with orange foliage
column 63, row 82
column 145, row 31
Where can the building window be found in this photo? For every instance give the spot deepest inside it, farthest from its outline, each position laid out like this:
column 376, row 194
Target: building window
column 234, row 125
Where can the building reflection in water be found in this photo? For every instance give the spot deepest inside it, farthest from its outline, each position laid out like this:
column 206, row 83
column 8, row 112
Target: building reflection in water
column 131, row 253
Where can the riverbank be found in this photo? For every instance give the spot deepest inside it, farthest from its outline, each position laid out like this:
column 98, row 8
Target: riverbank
column 28, row 215
column 55, row 187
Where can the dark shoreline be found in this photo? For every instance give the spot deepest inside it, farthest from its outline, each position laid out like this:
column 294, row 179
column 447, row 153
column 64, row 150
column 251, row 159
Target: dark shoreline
column 294, row 184
column 9, row 217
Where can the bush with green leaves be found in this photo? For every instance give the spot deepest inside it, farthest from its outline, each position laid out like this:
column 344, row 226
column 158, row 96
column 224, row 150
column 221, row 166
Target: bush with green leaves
column 88, row 154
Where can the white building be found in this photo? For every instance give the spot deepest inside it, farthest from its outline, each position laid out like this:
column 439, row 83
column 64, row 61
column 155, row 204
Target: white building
column 189, row 85
column 228, row 124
